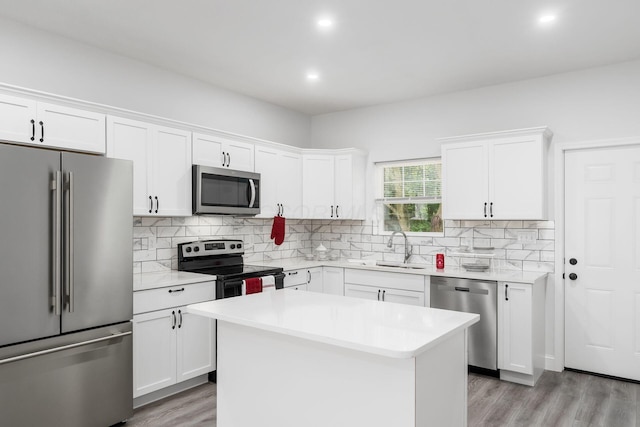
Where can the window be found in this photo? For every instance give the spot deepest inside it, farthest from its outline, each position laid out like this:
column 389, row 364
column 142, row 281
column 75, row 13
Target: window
column 410, row 196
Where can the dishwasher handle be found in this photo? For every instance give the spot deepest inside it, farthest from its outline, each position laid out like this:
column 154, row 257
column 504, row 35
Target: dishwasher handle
column 461, row 289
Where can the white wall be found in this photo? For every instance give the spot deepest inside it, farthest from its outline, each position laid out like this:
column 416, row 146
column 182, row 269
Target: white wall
column 41, row 61
column 598, row 103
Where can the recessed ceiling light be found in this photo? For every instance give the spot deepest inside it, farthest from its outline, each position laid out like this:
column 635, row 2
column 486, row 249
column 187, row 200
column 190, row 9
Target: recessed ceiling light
column 545, row 19
column 325, row 23
column 312, row 76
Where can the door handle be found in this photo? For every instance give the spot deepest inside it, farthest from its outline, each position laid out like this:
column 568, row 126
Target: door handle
column 337, row 216
column 252, row 200
column 228, row 159
column 485, row 209
column 41, row 131
column 308, row 277
column 33, row 130
column 157, row 204
column 383, row 294
column 506, row 290
column 56, row 186
column 573, row 276
column 180, row 323
column 70, row 250
column 378, row 294
column 331, row 211
column 460, row 289
column 224, row 158
column 491, row 209
column 173, row 319
column 573, row 261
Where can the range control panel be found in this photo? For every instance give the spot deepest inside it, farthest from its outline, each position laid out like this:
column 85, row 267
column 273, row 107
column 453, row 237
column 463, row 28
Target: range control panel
column 210, row 247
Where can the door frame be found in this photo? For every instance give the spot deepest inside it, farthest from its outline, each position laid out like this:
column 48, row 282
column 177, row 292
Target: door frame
column 557, row 363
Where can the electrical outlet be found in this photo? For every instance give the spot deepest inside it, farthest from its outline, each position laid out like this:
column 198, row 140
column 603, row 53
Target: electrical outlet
column 527, row 236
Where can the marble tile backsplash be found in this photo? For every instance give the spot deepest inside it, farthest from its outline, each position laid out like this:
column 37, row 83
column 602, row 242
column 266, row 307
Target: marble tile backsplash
column 156, row 239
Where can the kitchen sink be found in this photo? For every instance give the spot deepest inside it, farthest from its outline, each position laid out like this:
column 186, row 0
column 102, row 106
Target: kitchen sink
column 401, row 265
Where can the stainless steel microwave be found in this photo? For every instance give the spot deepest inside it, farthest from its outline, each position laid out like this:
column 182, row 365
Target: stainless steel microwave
column 225, row 191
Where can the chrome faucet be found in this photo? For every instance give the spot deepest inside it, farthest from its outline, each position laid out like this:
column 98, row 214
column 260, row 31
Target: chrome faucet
column 408, row 250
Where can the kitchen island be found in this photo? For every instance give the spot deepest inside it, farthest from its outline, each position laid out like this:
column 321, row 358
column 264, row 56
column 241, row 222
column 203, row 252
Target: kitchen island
column 290, row 358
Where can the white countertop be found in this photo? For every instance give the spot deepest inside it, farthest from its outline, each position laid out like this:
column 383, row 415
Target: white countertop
column 161, row 279
column 425, row 270
column 383, row 328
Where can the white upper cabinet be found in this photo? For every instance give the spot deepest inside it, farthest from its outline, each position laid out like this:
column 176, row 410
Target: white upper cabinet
column 47, row 125
column 495, row 175
column 333, row 185
column 161, row 165
column 280, row 182
column 220, row 152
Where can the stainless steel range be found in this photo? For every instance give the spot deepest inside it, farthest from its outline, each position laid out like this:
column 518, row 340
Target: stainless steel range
column 223, row 258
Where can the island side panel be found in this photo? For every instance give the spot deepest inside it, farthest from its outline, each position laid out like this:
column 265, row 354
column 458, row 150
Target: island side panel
column 266, row 378
column 441, row 384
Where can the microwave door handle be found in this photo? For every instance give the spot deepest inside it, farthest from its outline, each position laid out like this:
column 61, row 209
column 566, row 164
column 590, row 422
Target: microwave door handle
column 252, row 199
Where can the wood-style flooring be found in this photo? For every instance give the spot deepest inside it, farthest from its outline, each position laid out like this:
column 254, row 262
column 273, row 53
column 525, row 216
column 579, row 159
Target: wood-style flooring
column 567, row 399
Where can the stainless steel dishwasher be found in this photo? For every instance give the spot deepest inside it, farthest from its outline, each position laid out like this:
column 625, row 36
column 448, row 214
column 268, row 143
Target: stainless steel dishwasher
column 472, row 296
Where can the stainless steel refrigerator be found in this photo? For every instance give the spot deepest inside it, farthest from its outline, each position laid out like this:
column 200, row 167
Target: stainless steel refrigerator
column 65, row 288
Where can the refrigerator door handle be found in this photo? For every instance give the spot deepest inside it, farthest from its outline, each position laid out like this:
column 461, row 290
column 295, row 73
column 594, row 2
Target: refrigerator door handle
column 56, row 188
column 69, row 242
column 64, row 347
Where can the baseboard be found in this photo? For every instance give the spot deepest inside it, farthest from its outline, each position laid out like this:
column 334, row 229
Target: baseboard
column 551, row 364
column 169, row 391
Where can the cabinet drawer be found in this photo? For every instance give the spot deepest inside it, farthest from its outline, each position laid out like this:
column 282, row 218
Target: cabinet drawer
column 295, row 277
column 409, row 282
column 157, row 299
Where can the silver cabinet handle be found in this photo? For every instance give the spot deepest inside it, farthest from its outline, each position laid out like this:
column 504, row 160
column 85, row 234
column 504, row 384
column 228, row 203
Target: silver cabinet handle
column 253, row 193
column 70, row 251
column 64, row 347
column 56, row 186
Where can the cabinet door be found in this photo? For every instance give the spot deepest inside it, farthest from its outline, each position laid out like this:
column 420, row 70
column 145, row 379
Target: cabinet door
column 16, row 116
column 360, row 291
column 270, row 170
column 154, row 351
column 290, row 184
column 515, row 328
column 196, row 346
column 465, row 180
column 333, row 280
column 315, row 280
column 343, row 187
column 240, row 156
column 171, row 172
column 517, row 178
column 207, row 151
column 71, row 128
column 318, row 186
column 131, row 140
column 403, row 297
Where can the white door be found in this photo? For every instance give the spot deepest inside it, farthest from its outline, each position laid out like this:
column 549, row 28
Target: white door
column 515, row 328
column 154, row 351
column 267, row 165
column 71, row 128
column 403, row 297
column 207, row 151
column 18, row 120
column 317, row 184
column 290, row 184
column 196, row 345
column 602, row 225
column 465, row 174
column 240, row 156
column 171, row 172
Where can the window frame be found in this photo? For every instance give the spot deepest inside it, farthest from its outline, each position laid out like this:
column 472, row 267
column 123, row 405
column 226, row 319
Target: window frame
column 380, row 200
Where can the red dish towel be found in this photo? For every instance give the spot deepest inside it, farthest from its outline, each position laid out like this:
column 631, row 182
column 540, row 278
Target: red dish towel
column 277, row 230
column 251, row 286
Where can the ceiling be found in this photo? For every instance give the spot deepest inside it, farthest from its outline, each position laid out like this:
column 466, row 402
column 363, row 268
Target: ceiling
column 378, row 51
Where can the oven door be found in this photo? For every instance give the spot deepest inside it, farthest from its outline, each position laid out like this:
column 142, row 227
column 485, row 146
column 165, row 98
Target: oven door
column 225, row 191
column 233, row 287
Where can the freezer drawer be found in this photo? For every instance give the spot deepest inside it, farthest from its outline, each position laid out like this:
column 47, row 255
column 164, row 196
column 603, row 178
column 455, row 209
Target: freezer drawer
column 83, row 379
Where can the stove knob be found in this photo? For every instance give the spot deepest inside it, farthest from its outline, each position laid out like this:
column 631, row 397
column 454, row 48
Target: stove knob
column 196, row 249
column 188, row 249
column 239, row 245
column 233, row 246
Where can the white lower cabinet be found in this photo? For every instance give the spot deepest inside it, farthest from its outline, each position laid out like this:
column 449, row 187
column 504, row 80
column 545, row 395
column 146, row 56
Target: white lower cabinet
column 385, row 286
column 521, row 331
column 304, row 279
column 333, row 280
column 170, row 345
